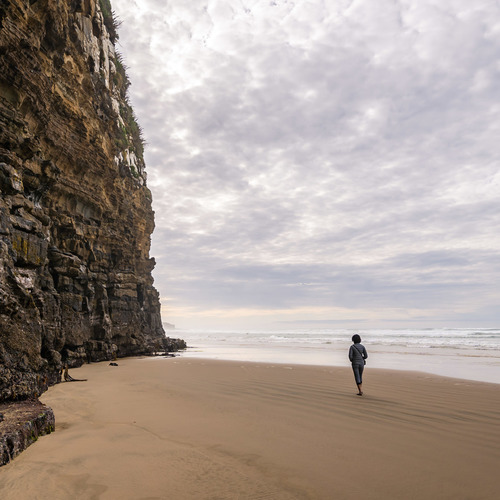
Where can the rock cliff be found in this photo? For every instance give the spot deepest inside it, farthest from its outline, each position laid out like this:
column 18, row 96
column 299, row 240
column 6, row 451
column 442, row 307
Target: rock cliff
column 75, row 212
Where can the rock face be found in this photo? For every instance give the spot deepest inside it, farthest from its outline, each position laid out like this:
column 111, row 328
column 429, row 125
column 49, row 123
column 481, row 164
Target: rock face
column 75, row 212
column 21, row 424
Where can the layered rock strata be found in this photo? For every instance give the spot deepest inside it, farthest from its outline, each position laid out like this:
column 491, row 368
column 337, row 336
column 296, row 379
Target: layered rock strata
column 75, row 212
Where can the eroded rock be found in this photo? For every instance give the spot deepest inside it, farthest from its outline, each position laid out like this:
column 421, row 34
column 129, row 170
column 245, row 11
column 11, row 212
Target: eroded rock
column 75, row 212
column 21, row 424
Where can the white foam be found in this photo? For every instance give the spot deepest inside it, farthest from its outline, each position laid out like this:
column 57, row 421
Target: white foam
column 471, row 354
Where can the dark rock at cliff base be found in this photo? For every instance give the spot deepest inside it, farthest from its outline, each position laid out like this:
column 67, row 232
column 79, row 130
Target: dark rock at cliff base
column 75, row 212
column 170, row 344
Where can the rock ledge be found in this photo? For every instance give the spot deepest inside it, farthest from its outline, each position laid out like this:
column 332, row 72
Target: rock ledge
column 21, row 424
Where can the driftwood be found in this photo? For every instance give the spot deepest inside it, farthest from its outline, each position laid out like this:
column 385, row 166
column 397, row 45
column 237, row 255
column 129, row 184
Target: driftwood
column 69, row 378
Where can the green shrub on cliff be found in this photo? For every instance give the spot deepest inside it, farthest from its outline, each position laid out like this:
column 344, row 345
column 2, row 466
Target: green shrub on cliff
column 120, row 78
column 129, row 134
column 110, row 20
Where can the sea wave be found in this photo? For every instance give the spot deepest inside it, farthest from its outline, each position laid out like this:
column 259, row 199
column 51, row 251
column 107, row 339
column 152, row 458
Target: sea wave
column 488, row 339
column 472, row 354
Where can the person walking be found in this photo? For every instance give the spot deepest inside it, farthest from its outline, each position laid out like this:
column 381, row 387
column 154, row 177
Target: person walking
column 357, row 357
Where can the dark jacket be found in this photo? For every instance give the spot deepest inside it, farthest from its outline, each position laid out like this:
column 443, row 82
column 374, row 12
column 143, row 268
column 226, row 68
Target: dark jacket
column 357, row 354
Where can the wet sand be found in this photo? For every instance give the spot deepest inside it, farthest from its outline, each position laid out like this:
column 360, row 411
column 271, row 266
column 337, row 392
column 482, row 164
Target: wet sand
column 200, row 429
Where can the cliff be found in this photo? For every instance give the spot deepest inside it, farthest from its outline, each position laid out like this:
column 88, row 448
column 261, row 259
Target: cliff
column 75, row 211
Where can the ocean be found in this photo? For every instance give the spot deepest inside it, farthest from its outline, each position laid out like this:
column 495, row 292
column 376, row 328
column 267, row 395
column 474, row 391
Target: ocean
column 465, row 353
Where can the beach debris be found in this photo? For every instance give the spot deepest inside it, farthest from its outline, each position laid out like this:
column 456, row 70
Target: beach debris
column 69, row 378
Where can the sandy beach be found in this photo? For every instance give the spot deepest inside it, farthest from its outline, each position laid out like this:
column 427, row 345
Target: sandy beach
column 201, row 429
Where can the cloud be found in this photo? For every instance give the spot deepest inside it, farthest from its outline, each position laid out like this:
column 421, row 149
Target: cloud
column 348, row 146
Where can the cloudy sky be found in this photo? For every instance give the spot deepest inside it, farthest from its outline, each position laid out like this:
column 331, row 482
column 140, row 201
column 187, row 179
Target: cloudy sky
column 320, row 163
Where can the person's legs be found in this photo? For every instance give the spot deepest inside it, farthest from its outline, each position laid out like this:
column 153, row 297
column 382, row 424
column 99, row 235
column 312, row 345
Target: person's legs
column 358, row 376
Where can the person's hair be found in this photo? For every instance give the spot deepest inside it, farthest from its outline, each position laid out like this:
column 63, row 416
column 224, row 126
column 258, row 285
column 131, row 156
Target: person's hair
column 356, row 339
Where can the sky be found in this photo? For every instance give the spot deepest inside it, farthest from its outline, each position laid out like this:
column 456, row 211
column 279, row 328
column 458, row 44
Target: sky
column 320, row 163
